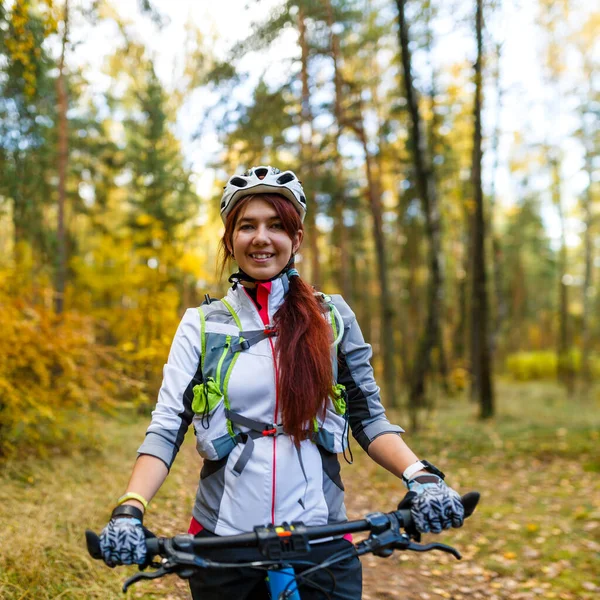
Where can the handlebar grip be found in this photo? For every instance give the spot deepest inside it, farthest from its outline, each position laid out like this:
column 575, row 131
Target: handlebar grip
column 469, row 502
column 153, row 546
column 93, row 544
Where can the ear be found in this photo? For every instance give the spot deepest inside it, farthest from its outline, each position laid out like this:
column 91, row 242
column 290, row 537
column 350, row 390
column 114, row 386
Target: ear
column 298, row 241
column 229, row 247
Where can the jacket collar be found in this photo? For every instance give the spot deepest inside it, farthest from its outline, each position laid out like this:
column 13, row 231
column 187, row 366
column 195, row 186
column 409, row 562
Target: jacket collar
column 245, row 307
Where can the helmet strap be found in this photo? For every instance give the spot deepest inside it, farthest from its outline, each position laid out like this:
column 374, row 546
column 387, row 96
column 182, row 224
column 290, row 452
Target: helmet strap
column 240, row 276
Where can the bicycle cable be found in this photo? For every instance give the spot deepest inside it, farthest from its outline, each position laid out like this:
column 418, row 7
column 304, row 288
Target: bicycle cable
column 332, row 560
column 300, row 581
column 262, row 565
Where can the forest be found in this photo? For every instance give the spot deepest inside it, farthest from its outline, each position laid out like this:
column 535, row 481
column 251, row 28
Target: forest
column 449, row 151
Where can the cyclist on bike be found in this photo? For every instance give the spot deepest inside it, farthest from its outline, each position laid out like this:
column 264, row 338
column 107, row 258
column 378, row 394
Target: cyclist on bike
column 271, row 377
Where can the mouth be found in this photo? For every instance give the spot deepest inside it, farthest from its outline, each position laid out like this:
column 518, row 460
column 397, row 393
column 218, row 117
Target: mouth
column 261, row 257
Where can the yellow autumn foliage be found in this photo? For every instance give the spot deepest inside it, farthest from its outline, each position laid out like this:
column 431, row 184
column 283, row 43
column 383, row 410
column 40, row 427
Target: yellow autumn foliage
column 20, row 41
column 535, row 366
column 53, row 374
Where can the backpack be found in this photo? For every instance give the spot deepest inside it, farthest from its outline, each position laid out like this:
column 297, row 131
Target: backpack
column 219, row 353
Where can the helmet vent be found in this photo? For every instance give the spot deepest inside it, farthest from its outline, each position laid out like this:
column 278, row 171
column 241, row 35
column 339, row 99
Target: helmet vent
column 286, row 178
column 238, row 182
column 303, row 200
column 261, row 172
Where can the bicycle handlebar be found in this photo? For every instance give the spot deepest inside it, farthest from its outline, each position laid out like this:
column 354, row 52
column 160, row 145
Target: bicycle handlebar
column 374, row 523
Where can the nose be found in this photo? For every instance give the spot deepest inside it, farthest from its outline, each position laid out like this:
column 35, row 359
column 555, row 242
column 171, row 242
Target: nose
column 261, row 235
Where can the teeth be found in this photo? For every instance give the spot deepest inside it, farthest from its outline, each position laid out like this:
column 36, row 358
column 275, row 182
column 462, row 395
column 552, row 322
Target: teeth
column 261, row 255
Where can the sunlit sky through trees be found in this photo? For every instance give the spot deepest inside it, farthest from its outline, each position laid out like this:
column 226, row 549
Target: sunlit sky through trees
column 526, row 98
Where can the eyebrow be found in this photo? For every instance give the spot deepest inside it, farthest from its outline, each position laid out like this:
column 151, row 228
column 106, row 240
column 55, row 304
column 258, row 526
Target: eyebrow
column 252, row 220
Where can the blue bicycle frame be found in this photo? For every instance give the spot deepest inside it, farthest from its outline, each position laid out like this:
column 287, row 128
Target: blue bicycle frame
column 283, row 580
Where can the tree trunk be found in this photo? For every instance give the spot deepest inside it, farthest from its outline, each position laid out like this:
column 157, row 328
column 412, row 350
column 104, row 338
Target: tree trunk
column 307, row 169
column 501, row 307
column 344, row 277
column 434, row 144
column 462, row 331
column 362, row 280
column 479, row 307
column 586, row 375
column 21, row 214
column 427, row 191
column 392, row 254
column 589, row 137
column 564, row 367
column 386, row 325
column 462, row 321
column 63, row 158
column 474, row 329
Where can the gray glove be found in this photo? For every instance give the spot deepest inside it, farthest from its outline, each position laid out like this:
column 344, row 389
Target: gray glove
column 435, row 506
column 123, row 542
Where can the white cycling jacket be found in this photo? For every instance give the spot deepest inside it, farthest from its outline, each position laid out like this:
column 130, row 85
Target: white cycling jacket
column 279, row 482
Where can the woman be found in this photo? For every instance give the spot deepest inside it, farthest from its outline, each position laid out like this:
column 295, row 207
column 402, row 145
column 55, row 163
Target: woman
column 271, row 376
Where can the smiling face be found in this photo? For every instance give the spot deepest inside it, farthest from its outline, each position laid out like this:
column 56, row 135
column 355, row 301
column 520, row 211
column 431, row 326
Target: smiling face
column 260, row 244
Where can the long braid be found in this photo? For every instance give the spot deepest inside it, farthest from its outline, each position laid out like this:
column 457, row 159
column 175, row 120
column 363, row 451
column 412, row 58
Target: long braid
column 303, row 347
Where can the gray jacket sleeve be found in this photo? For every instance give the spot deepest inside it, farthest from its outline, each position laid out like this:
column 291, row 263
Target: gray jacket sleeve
column 366, row 413
column 173, row 413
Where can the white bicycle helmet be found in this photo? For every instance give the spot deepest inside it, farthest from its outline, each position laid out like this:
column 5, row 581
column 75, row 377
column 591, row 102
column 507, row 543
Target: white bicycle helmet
column 263, row 180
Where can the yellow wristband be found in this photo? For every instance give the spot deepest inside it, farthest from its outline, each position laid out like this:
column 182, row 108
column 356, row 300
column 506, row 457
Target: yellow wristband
column 133, row 496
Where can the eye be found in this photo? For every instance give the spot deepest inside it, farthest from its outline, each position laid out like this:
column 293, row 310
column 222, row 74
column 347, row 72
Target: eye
column 277, row 225
column 245, row 227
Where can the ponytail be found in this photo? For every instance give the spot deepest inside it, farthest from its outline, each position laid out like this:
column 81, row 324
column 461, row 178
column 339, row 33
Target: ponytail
column 304, row 336
column 303, row 351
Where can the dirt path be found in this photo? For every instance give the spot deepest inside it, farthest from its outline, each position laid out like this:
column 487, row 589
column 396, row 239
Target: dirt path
column 412, row 576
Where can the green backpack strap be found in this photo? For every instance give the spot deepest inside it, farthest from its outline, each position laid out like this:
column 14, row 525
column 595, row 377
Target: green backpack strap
column 202, row 336
column 334, row 315
column 333, row 322
column 208, row 394
column 338, row 391
column 233, row 313
column 231, row 364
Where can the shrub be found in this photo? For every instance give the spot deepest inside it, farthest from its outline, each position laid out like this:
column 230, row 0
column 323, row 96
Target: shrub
column 52, row 375
column 531, row 366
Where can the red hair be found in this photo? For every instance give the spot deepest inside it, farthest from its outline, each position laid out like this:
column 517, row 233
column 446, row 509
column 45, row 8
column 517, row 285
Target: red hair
column 304, row 336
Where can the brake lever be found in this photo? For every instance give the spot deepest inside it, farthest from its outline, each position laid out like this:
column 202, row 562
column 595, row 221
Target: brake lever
column 181, row 558
column 178, row 562
column 383, row 541
column 433, row 546
column 160, row 572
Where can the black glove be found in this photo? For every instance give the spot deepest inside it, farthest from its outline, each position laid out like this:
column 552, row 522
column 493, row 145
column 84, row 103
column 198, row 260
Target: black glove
column 123, row 542
column 433, row 505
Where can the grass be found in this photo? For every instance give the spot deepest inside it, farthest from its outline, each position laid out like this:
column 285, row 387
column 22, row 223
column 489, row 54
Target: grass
column 47, row 504
column 535, row 534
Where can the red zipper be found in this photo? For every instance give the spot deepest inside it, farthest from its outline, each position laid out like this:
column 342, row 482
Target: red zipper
column 274, row 437
column 263, row 291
